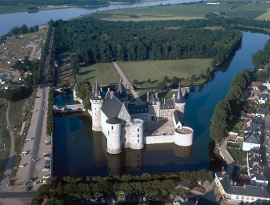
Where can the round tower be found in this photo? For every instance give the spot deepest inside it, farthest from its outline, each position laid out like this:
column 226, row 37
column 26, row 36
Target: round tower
column 114, row 135
column 136, row 139
column 183, row 136
column 96, row 104
column 180, row 101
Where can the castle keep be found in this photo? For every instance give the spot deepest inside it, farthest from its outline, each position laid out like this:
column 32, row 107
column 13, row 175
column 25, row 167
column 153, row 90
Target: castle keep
column 134, row 124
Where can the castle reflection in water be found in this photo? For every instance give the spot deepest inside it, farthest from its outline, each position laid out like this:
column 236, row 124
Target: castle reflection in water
column 129, row 160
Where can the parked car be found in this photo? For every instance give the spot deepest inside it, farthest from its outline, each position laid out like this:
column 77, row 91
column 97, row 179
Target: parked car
column 46, row 176
column 46, row 154
column 45, row 169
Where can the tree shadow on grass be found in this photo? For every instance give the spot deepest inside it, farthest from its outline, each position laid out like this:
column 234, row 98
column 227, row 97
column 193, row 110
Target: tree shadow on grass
column 86, row 72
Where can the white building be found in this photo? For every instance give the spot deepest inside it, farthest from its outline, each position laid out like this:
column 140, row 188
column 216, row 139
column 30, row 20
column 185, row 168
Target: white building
column 251, row 141
column 123, row 123
column 263, row 98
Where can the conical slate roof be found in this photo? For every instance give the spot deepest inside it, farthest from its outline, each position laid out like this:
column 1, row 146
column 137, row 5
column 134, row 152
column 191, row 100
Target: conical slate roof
column 120, row 89
column 96, row 94
column 179, row 97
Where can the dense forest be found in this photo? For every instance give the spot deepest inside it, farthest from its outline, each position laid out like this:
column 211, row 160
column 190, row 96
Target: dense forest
column 60, row 2
column 101, row 41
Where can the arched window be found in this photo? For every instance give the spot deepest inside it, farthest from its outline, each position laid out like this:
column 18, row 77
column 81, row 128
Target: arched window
column 108, row 132
column 112, row 127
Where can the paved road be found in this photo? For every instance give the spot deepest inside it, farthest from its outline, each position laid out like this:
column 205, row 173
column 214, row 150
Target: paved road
column 38, row 133
column 12, row 155
column 29, row 194
column 126, row 82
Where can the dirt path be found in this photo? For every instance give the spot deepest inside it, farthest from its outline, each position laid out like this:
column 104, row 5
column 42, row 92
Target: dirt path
column 126, row 82
column 12, row 156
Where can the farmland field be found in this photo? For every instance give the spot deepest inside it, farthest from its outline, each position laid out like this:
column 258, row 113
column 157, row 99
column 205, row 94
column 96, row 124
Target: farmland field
column 190, row 11
column 105, row 72
column 156, row 70
column 251, row 11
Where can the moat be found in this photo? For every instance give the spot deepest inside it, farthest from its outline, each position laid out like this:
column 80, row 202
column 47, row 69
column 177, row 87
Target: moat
column 79, row 151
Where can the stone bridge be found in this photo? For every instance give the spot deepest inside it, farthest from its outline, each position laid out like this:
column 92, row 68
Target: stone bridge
column 68, row 108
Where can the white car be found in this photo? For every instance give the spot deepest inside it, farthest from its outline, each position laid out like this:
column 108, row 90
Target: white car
column 46, row 176
column 45, row 169
column 47, row 158
column 24, row 152
column 46, row 154
column 21, row 165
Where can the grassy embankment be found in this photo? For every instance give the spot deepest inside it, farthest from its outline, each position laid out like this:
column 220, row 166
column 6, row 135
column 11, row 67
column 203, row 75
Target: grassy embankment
column 17, row 114
column 172, row 12
column 143, row 70
column 4, row 139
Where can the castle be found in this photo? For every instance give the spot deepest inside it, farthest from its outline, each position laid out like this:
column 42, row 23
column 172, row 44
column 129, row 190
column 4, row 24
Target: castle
column 134, row 124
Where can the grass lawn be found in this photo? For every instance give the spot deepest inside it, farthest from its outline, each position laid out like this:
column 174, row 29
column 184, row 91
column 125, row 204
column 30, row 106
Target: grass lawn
column 251, row 11
column 105, row 72
column 239, row 156
column 4, row 139
column 266, row 15
column 156, row 70
column 185, row 12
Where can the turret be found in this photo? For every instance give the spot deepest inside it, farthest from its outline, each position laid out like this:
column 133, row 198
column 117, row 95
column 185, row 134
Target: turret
column 136, row 141
column 121, row 93
column 96, row 104
column 180, row 101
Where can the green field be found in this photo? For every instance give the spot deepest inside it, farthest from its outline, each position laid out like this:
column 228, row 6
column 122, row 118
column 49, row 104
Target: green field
column 4, row 139
column 189, row 11
column 105, row 72
column 251, row 11
column 156, row 70
column 264, row 16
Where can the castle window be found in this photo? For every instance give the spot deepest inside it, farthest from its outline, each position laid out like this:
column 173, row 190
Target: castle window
column 112, row 127
column 138, row 141
column 108, row 132
column 138, row 135
column 138, row 129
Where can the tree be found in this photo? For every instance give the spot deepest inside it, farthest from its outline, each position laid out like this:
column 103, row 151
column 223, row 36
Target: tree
column 262, row 88
column 161, row 85
column 53, row 201
column 219, row 121
column 149, row 80
column 166, row 79
column 44, row 190
column 136, row 82
column 193, row 78
column 74, row 61
column 175, row 80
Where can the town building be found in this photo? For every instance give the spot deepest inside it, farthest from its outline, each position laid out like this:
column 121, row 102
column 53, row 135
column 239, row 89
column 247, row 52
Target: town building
column 134, row 124
column 233, row 193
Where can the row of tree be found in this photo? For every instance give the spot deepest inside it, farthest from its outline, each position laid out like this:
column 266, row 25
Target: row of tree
column 98, row 186
column 50, row 113
column 229, row 109
column 84, row 91
column 22, row 30
column 101, row 41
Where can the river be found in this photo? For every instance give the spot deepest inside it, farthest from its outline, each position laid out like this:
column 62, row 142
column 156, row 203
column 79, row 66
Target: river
column 80, row 152
column 10, row 20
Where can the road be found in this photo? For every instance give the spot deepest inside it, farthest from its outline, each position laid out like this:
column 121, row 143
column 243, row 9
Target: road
column 126, row 82
column 12, row 156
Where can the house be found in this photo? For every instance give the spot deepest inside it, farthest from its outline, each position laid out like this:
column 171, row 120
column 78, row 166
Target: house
column 263, row 98
column 233, row 193
column 261, row 112
column 256, row 169
column 251, row 141
column 255, row 85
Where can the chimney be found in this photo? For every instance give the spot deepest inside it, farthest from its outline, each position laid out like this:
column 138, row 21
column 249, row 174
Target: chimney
column 245, row 186
column 164, row 100
column 231, row 182
column 173, row 99
column 235, row 183
column 111, row 94
column 156, row 95
column 261, row 173
column 147, row 99
column 262, row 186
